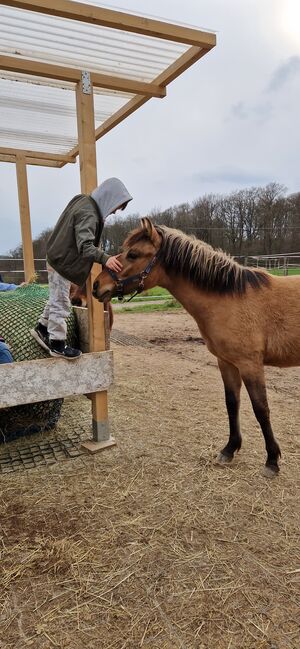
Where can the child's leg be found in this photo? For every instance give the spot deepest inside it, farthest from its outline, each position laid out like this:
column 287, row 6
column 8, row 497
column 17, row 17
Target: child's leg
column 43, row 319
column 51, row 331
column 58, row 306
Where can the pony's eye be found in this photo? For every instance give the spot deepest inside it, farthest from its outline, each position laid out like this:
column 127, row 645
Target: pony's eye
column 132, row 255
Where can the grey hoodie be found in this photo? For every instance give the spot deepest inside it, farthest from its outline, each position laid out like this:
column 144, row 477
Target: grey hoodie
column 73, row 245
column 110, row 195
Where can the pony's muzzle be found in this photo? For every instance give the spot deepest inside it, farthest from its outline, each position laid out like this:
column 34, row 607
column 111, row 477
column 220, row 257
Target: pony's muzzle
column 103, row 295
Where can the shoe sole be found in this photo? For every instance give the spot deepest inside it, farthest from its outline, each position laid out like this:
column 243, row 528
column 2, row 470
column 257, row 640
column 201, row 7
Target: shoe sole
column 67, row 358
column 36, row 337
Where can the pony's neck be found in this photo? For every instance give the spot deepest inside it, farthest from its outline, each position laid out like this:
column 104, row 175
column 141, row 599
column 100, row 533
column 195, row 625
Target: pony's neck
column 193, row 299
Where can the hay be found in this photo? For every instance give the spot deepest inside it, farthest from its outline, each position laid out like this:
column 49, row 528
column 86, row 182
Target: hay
column 19, row 312
column 150, row 545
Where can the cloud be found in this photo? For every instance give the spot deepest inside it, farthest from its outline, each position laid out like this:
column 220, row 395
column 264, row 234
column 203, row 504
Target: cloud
column 239, row 110
column 262, row 111
column 284, row 73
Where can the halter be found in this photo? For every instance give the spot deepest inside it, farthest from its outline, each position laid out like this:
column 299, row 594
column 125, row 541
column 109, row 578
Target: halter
column 140, row 278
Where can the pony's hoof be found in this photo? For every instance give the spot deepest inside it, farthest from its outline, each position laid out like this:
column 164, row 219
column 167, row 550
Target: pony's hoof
column 270, row 471
column 223, row 460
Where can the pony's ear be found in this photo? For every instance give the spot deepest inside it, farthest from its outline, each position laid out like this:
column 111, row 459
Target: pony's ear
column 146, row 224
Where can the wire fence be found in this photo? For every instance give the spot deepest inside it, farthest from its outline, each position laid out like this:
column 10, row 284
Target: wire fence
column 281, row 264
column 12, row 268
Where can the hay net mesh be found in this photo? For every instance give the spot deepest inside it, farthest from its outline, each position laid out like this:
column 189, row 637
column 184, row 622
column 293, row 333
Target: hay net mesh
column 19, row 312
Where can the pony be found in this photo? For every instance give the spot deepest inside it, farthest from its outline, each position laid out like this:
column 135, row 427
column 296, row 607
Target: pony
column 78, row 297
column 247, row 317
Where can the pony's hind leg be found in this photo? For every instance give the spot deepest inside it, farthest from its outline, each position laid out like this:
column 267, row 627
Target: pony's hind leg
column 232, row 384
column 256, row 388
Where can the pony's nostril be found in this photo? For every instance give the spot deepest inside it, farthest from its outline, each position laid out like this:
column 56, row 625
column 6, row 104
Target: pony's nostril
column 95, row 285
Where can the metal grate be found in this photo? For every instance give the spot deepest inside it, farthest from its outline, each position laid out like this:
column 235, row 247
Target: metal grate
column 128, row 340
column 39, row 454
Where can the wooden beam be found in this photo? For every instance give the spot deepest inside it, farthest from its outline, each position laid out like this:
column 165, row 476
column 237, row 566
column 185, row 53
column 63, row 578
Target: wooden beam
column 117, row 20
column 32, row 161
column 37, row 68
column 179, row 66
column 88, row 178
column 41, row 380
column 41, row 155
column 29, row 269
column 116, row 118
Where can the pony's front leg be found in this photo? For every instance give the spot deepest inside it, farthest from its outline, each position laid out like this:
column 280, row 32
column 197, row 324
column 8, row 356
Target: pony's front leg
column 254, row 381
column 232, row 384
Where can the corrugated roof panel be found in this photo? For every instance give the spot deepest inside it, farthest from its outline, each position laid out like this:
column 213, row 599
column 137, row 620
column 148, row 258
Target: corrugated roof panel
column 34, row 116
column 39, row 114
column 77, row 44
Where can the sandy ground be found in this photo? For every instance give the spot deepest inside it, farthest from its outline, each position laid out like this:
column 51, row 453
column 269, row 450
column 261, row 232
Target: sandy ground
column 150, row 544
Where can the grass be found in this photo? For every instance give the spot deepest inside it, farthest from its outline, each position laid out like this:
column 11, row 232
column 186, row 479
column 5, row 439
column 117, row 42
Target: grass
column 146, row 308
column 279, row 271
column 156, row 293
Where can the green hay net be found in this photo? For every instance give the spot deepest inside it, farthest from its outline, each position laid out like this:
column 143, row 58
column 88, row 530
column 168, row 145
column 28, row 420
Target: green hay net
column 19, row 312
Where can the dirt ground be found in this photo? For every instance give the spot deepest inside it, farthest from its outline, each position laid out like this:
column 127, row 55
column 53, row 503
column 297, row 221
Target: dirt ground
column 150, row 544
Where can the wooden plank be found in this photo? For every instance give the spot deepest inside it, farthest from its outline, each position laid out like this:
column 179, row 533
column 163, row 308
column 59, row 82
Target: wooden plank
column 95, row 447
column 42, row 155
column 41, row 69
column 117, row 20
column 81, row 315
column 88, row 179
column 24, row 208
column 33, row 161
column 54, row 378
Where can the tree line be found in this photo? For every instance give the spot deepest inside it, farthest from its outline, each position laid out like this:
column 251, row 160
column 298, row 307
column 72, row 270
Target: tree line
column 259, row 220
column 253, row 221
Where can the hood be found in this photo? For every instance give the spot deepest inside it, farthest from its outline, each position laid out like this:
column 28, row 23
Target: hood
column 110, row 195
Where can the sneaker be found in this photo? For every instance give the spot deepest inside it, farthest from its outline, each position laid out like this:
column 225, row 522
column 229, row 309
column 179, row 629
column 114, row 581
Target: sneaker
column 40, row 334
column 58, row 348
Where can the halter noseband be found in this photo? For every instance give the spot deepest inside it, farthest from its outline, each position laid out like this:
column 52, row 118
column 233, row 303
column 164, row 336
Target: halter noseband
column 140, row 278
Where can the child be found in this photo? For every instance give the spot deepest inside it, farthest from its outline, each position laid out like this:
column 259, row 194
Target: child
column 71, row 251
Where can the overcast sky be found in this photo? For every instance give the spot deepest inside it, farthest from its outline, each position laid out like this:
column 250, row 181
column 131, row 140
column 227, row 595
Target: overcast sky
column 230, row 121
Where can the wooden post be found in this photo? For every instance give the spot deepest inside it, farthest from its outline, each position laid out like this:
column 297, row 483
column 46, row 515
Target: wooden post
column 88, row 178
column 25, row 216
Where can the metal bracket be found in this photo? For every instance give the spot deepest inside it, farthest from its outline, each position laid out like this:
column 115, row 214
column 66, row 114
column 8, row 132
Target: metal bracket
column 86, row 82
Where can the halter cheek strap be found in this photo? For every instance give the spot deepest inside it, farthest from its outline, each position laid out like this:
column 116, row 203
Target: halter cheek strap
column 140, row 278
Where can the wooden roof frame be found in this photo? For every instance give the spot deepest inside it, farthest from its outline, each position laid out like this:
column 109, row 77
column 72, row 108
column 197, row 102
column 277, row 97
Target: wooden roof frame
column 200, row 42
column 116, row 20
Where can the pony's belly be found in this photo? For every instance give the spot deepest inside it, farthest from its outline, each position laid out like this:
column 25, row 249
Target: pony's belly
column 289, row 360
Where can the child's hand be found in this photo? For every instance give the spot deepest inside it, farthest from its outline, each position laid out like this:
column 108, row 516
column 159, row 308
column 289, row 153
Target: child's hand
column 114, row 264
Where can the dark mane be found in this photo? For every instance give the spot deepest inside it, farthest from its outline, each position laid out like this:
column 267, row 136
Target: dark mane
column 198, row 262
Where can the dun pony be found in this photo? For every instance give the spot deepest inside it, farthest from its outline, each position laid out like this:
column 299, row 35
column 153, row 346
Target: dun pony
column 247, row 317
